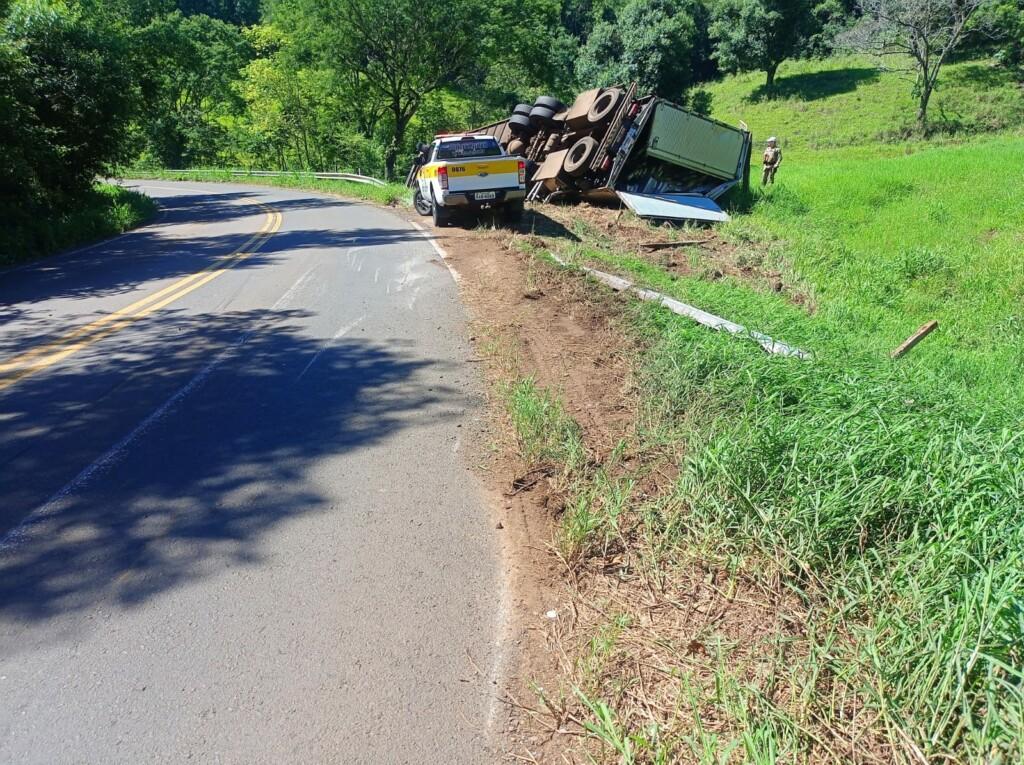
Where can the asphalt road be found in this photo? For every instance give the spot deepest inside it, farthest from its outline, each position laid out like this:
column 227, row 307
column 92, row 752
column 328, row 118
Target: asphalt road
column 235, row 522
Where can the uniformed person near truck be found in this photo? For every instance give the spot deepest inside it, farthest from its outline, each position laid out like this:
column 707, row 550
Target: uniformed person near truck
column 772, row 159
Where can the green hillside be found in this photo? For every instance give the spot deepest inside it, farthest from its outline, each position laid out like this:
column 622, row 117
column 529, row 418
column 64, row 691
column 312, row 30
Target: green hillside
column 849, row 101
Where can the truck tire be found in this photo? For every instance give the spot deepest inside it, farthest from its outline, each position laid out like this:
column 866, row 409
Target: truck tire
column 422, row 205
column 604, row 106
column 549, row 102
column 442, row 217
column 523, row 109
column 579, row 156
column 519, row 125
column 542, row 116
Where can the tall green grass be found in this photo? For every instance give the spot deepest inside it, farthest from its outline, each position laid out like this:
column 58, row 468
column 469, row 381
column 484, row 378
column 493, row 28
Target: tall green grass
column 894, row 505
column 107, row 210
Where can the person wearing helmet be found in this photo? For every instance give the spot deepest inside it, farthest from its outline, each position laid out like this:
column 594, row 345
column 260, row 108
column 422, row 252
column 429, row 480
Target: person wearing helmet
column 772, row 159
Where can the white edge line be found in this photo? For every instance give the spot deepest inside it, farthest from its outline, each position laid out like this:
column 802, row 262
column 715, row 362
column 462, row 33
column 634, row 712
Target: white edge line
column 456, row 276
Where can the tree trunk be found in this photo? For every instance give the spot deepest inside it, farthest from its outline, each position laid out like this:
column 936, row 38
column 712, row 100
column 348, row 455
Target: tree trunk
column 922, row 106
column 391, row 154
column 770, row 76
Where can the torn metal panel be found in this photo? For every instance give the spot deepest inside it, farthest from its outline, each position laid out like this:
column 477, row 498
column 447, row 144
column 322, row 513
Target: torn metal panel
column 674, row 207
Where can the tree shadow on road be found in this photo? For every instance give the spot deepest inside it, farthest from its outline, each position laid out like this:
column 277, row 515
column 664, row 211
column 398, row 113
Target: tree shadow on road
column 248, row 403
column 150, row 255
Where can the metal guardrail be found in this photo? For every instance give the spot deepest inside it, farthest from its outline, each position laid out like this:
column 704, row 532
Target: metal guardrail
column 354, row 177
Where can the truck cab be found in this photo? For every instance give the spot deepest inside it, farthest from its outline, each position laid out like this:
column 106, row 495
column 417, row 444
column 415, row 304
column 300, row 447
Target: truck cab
column 470, row 173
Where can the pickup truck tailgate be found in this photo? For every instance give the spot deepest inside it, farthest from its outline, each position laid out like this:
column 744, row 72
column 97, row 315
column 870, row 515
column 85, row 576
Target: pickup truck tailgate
column 484, row 174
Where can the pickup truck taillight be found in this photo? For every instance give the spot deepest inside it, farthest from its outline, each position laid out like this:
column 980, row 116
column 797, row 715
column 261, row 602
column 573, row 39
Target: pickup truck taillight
column 442, row 177
column 522, row 172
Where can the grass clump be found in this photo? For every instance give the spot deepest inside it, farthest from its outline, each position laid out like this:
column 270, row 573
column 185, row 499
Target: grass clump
column 105, row 211
column 392, row 194
column 894, row 509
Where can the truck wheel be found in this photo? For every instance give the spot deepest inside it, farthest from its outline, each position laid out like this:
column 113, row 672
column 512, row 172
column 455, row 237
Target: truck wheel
column 550, row 102
column 520, row 125
column 514, row 211
column 579, row 156
column 422, row 205
column 523, row 109
column 604, row 106
column 542, row 116
column 441, row 216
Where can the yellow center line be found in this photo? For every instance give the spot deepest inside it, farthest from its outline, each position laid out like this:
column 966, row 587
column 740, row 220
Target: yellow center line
column 43, row 356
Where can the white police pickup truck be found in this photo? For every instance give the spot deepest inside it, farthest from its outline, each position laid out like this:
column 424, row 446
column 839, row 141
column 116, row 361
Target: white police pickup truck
column 471, row 173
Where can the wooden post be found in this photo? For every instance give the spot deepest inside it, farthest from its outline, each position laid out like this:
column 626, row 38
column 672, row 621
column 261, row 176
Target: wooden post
column 922, row 332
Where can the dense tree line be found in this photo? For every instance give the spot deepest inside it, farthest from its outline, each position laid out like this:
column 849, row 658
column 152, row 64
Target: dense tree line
column 86, row 85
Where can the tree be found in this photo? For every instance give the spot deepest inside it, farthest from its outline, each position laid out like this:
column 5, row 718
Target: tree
column 650, row 41
column 188, row 65
column 401, row 50
column 69, row 93
column 1007, row 22
column 925, row 31
column 525, row 52
column 759, row 34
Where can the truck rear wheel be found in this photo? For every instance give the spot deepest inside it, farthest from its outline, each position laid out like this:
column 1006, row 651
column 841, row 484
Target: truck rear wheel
column 542, row 116
column 422, row 205
column 520, row 125
column 549, row 102
column 604, row 106
column 579, row 156
column 441, row 216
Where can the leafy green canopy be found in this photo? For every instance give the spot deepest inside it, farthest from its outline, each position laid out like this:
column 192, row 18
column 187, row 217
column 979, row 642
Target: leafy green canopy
column 760, row 34
column 654, row 42
column 68, row 92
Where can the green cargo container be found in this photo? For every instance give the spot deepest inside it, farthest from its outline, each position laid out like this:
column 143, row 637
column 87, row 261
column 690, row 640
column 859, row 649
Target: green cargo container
column 695, row 142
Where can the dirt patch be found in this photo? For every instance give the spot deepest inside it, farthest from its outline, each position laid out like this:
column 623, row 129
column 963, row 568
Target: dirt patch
column 689, row 250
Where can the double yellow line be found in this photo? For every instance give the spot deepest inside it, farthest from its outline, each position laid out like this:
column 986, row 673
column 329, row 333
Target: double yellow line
column 28, row 363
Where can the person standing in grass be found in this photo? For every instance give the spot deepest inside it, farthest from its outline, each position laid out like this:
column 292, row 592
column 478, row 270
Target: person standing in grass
column 772, row 159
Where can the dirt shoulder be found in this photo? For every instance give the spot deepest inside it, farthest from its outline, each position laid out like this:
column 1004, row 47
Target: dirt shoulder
column 530, row 320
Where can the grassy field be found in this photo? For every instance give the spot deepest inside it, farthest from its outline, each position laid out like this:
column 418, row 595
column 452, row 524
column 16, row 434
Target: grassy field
column 107, row 211
column 887, row 494
column 849, row 101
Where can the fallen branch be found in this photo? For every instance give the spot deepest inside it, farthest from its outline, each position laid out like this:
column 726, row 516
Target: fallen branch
column 668, row 245
column 922, row 332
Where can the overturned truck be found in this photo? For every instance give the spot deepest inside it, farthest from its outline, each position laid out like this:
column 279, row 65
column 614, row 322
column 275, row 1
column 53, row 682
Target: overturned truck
column 661, row 160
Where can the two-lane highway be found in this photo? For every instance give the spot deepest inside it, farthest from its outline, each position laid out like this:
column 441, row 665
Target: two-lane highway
column 235, row 523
